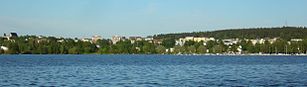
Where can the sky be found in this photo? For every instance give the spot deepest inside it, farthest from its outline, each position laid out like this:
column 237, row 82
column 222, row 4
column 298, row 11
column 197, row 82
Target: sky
column 85, row 18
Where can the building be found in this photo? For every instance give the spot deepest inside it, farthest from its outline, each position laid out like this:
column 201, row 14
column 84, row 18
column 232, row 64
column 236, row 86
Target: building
column 116, row 39
column 13, row 34
column 10, row 36
column 271, row 41
column 133, row 39
column 170, row 50
column 182, row 41
column 239, row 49
column 262, row 41
column 257, row 41
column 204, row 39
column 157, row 41
column 230, row 41
column 4, row 48
column 149, row 39
column 138, row 38
column 95, row 38
column 60, row 40
column 296, row 40
column 86, row 39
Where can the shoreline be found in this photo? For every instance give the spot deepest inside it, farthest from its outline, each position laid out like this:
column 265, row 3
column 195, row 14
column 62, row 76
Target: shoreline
column 178, row 54
column 244, row 54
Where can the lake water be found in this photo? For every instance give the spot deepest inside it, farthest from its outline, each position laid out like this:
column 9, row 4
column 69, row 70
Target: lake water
column 151, row 70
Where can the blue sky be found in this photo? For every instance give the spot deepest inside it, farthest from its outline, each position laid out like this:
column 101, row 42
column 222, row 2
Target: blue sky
column 84, row 18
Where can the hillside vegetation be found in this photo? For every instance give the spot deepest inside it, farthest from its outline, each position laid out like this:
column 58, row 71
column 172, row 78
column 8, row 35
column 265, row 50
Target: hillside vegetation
column 165, row 43
column 250, row 33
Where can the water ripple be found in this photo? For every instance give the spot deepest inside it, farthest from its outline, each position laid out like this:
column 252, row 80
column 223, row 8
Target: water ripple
column 191, row 73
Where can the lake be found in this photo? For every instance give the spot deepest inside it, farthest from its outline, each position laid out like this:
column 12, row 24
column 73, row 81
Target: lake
column 152, row 70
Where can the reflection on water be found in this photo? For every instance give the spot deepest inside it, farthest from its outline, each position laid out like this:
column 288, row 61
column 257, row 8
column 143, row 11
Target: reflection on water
column 151, row 70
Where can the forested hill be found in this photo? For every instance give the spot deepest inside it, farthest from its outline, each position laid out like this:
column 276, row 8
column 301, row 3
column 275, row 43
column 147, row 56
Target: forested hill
column 252, row 33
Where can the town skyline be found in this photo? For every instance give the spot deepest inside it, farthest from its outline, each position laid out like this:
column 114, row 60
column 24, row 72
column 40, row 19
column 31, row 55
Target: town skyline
column 283, row 40
column 135, row 36
column 78, row 18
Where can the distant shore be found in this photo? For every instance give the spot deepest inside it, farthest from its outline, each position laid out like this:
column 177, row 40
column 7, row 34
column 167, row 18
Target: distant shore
column 246, row 54
column 179, row 54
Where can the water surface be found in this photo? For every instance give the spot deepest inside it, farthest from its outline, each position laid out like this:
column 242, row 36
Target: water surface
column 152, row 70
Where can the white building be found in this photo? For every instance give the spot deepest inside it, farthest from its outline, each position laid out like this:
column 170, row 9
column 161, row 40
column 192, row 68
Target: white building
column 135, row 38
column 262, row 41
column 157, row 41
column 257, row 41
column 4, row 48
column 182, row 41
column 272, row 40
column 86, row 39
column 61, row 40
column 239, row 49
column 149, row 39
column 95, row 38
column 116, row 39
column 169, row 50
column 230, row 41
column 296, row 40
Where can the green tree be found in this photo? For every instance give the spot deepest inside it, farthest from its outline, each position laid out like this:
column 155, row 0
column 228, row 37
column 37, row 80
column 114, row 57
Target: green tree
column 191, row 49
column 280, row 46
column 169, row 42
column 210, row 44
column 104, row 50
column 248, row 47
column 103, row 42
column 266, row 47
column 124, row 47
column 13, row 48
column 160, row 49
column 233, row 48
column 256, row 48
column 218, row 49
column 189, row 43
column 149, row 48
column 42, row 49
column 201, row 49
column 74, row 50
column 179, row 49
column 63, row 49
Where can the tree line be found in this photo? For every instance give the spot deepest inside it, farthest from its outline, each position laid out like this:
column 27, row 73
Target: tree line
column 251, row 33
column 52, row 45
